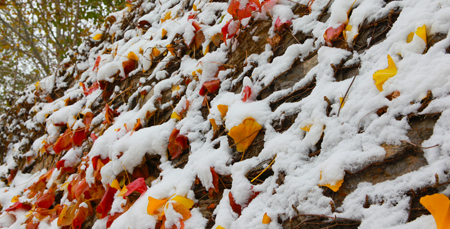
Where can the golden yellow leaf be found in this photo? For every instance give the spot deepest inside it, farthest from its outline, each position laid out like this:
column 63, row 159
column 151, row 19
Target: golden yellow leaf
column 188, row 203
column 141, row 51
column 37, row 85
column 223, row 110
column 341, row 101
column 220, row 227
column 155, row 52
column 194, row 7
column 348, row 28
column 213, row 123
column 244, row 134
column 154, row 205
column 438, row 205
column 307, row 128
column 171, row 49
column 175, row 115
column 163, row 32
column 266, row 219
column 123, row 191
column 15, row 199
column 335, row 187
column 97, row 37
column 115, row 184
column 132, row 56
column 383, row 75
column 410, row 37
column 422, row 33
column 206, row 50
column 166, row 16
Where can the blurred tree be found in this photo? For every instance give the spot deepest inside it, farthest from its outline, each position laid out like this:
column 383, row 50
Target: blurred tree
column 36, row 34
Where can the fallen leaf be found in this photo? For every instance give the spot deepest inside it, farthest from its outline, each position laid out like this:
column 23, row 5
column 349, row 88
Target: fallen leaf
column 244, row 134
column 154, row 205
column 223, row 110
column 213, row 124
column 438, row 205
column 177, row 143
column 97, row 37
column 64, row 142
column 97, row 62
column 215, row 183
column 18, row 205
column 45, row 200
column 188, row 203
column 266, row 219
column 306, row 128
column 280, row 26
column 137, row 185
column 246, row 93
column 80, row 217
column 421, row 32
column 115, row 184
column 335, row 187
column 106, row 203
column 331, row 34
column 180, row 208
column 210, row 86
column 383, row 75
column 78, row 136
column 132, row 56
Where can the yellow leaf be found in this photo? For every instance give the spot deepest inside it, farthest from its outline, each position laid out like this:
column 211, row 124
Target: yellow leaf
column 383, row 75
column 438, row 205
column 266, row 219
column 123, row 191
column 132, row 56
column 154, row 205
column 115, row 184
column 141, row 51
column 335, row 187
column 64, row 186
column 348, row 28
column 220, row 227
column 175, row 115
column 37, row 85
column 97, row 37
column 410, row 37
column 171, row 49
column 166, row 17
column 341, row 101
column 188, row 203
column 163, row 32
column 422, row 33
column 244, row 134
column 213, row 123
column 15, row 199
column 206, row 50
column 223, row 110
column 194, row 7
column 155, row 52
column 307, row 128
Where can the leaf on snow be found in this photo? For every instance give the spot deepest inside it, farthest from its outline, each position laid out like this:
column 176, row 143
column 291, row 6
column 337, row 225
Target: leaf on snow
column 244, row 134
column 438, row 205
column 383, row 75
column 335, row 187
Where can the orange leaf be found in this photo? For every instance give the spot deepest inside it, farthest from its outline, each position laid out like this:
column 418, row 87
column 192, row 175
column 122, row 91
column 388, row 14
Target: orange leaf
column 154, row 205
column 244, row 134
column 64, row 142
column 80, row 217
column 223, row 110
column 213, row 123
column 215, row 183
column 97, row 62
column 177, row 143
column 180, row 208
column 45, row 200
column 266, row 219
column 109, row 114
column 335, row 187
column 67, row 214
column 438, row 205
column 210, row 86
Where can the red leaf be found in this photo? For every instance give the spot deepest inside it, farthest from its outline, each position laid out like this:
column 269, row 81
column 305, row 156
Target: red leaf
column 215, row 183
column 32, row 225
column 18, row 205
column 96, row 162
column 210, row 86
column 79, row 136
column 332, row 34
column 97, row 62
column 12, row 174
column 192, row 15
column 196, row 25
column 106, row 202
column 229, row 32
column 279, row 26
column 60, row 164
column 46, row 200
column 81, row 188
column 246, row 93
column 64, row 142
column 236, row 207
column 177, row 143
column 137, row 185
column 80, row 217
column 240, row 13
column 93, row 136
